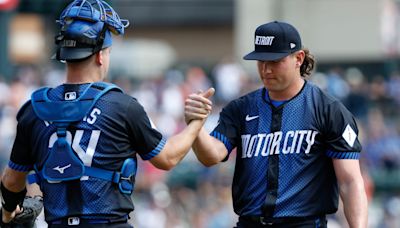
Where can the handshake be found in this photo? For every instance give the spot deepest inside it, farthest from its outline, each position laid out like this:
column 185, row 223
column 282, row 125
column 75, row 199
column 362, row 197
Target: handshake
column 198, row 106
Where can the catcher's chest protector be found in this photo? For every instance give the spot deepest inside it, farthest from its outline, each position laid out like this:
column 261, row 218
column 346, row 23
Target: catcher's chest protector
column 63, row 164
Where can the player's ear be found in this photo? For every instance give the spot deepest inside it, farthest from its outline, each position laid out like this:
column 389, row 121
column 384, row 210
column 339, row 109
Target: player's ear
column 300, row 57
column 99, row 57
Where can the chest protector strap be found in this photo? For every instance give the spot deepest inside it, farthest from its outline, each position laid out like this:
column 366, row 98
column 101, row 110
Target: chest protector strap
column 63, row 164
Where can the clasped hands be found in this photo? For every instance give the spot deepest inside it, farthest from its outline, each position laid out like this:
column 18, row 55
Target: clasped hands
column 198, row 106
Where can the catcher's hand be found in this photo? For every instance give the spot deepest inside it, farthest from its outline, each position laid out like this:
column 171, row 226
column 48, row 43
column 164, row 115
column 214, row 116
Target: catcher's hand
column 32, row 206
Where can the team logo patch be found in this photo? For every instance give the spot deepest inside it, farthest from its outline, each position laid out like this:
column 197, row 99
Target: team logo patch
column 69, row 43
column 70, row 96
column 349, row 135
column 250, row 118
column 264, row 40
column 61, row 169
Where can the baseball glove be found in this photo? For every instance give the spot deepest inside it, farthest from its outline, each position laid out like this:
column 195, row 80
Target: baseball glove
column 32, row 206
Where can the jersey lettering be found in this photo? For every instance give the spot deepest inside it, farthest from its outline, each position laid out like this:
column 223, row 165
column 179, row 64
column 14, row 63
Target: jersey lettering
column 85, row 156
column 260, row 140
column 92, row 116
column 267, row 144
column 276, row 143
column 91, row 119
column 270, row 144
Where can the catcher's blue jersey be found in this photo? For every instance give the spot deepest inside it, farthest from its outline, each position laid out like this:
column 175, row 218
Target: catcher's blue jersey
column 115, row 129
column 284, row 154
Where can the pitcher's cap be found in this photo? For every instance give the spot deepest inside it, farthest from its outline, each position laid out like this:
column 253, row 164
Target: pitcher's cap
column 273, row 41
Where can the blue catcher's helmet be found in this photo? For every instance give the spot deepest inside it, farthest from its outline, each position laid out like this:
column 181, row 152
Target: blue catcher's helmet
column 86, row 27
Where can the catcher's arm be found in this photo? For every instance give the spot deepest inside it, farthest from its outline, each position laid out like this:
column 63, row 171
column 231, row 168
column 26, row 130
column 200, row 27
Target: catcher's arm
column 29, row 206
column 32, row 206
column 13, row 191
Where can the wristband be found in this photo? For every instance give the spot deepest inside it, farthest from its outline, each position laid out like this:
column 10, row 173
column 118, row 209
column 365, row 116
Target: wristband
column 11, row 199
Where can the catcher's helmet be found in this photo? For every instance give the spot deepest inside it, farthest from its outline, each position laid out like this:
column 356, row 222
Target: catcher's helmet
column 86, row 27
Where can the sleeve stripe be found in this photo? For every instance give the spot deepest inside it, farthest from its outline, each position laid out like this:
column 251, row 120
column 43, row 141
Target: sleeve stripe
column 20, row 168
column 223, row 139
column 343, row 155
column 156, row 151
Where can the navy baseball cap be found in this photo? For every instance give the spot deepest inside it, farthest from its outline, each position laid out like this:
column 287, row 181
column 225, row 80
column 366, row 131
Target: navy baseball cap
column 273, row 41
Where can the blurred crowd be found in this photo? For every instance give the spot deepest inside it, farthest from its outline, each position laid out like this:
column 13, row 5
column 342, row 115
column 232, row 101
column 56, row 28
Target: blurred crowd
column 192, row 195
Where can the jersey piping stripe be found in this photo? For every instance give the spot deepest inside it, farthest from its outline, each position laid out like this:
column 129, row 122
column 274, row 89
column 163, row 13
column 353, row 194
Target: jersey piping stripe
column 156, row 151
column 343, row 155
column 273, row 169
column 223, row 139
column 21, row 168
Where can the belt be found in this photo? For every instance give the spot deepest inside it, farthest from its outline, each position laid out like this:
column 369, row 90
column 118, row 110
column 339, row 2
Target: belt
column 74, row 221
column 269, row 221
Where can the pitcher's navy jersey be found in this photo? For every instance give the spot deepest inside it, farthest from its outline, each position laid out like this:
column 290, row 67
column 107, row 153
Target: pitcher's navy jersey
column 284, row 153
column 115, row 129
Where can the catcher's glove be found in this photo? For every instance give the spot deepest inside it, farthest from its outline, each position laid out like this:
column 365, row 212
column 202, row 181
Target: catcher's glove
column 32, row 207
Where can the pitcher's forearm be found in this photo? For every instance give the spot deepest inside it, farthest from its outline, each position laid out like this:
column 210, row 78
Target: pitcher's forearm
column 355, row 205
column 209, row 150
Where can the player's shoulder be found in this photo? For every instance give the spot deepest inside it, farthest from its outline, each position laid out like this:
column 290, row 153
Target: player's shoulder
column 325, row 102
column 24, row 109
column 122, row 102
column 26, row 114
column 248, row 97
column 119, row 97
column 319, row 95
